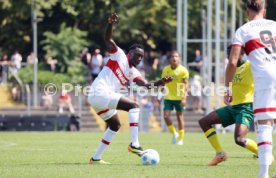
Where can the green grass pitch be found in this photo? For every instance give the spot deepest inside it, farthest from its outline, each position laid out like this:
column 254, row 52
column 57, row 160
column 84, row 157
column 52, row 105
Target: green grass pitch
column 63, row 154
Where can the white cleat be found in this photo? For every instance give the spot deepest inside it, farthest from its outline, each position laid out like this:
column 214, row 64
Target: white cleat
column 264, row 176
column 174, row 139
column 180, row 142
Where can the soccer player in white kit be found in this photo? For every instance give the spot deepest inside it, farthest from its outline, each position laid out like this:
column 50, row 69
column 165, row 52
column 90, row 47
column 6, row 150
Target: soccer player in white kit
column 258, row 40
column 105, row 98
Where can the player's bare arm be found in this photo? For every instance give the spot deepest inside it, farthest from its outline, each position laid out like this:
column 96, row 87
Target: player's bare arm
column 186, row 87
column 161, row 82
column 110, row 44
column 230, row 72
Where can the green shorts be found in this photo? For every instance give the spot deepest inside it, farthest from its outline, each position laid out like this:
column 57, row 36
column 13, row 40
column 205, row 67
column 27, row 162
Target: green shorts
column 171, row 104
column 239, row 114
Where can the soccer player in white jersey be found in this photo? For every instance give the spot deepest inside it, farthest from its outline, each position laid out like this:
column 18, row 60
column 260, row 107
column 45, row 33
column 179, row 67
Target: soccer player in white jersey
column 257, row 39
column 105, row 98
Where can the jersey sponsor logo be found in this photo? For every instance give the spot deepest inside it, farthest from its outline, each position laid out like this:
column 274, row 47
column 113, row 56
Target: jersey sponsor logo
column 242, row 68
column 237, row 78
column 114, row 66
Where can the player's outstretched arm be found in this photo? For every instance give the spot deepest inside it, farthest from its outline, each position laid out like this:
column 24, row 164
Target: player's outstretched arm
column 162, row 81
column 109, row 43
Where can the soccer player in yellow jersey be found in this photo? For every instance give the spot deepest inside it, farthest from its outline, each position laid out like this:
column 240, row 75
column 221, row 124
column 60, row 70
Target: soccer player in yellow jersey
column 176, row 95
column 239, row 112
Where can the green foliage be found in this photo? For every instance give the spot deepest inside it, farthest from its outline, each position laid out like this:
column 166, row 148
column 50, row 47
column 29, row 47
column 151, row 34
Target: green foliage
column 43, row 77
column 26, row 74
column 15, row 23
column 151, row 21
column 65, row 46
column 76, row 72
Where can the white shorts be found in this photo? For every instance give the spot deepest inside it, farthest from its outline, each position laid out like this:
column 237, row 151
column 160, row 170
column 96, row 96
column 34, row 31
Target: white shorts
column 105, row 105
column 265, row 104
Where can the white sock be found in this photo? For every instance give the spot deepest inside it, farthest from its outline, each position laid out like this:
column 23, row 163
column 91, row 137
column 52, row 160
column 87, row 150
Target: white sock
column 107, row 137
column 264, row 139
column 133, row 117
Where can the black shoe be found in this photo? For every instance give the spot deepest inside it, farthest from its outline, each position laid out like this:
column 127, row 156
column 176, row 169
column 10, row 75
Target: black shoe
column 135, row 150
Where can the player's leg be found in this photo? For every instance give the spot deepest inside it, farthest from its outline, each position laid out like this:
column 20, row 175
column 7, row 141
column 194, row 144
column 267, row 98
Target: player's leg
column 265, row 114
column 170, row 126
column 133, row 115
column 206, row 125
column 264, row 140
column 105, row 105
column 243, row 117
column 181, row 132
column 180, row 119
column 241, row 131
column 168, row 107
column 113, row 127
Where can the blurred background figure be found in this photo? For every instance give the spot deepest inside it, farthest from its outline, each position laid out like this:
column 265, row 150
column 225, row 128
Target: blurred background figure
column 155, row 70
column 16, row 60
column 96, row 64
column 47, row 101
column 74, row 124
column 52, row 63
column 85, row 56
column 65, row 101
column 16, row 94
column 164, row 60
column 31, row 58
column 198, row 60
column 147, row 62
column 196, row 88
column 146, row 113
column 4, row 67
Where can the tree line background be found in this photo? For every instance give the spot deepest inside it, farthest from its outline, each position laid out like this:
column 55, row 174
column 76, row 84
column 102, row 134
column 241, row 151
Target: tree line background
column 65, row 27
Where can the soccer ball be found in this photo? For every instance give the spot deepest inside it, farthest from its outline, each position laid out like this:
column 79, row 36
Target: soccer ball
column 150, row 157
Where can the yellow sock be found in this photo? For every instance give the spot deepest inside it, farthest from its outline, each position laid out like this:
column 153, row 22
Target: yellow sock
column 213, row 139
column 172, row 129
column 252, row 146
column 181, row 134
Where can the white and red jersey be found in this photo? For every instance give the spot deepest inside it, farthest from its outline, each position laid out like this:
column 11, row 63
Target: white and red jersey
column 258, row 40
column 116, row 73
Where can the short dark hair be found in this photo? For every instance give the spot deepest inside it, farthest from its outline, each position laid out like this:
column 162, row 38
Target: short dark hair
column 173, row 52
column 134, row 46
column 255, row 5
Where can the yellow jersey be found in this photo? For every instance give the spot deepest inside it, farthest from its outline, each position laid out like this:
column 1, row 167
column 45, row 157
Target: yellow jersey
column 243, row 85
column 175, row 88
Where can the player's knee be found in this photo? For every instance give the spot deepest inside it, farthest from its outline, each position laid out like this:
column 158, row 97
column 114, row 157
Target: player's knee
column 202, row 122
column 240, row 141
column 167, row 116
column 115, row 127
